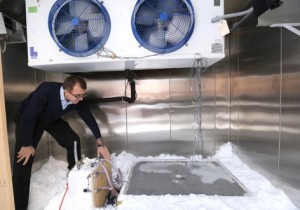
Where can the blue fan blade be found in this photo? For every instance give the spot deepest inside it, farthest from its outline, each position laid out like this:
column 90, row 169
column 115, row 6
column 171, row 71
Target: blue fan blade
column 178, row 28
column 64, row 27
column 79, row 8
column 145, row 16
column 157, row 38
column 81, row 42
column 96, row 25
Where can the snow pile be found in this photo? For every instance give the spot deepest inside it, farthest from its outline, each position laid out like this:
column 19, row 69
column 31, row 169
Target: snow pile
column 49, row 183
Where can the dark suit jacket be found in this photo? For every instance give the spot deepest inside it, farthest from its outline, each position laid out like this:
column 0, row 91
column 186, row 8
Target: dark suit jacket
column 44, row 105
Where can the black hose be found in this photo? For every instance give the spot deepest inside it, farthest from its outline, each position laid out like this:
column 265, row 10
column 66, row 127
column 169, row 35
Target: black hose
column 129, row 76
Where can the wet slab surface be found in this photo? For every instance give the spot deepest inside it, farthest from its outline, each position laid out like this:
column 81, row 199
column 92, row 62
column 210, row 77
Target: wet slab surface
column 182, row 178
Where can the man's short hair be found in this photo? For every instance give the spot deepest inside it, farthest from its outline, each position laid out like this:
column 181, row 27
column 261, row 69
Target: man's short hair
column 70, row 81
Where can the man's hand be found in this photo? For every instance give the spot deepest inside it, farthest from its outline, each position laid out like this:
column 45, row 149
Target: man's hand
column 103, row 151
column 25, row 153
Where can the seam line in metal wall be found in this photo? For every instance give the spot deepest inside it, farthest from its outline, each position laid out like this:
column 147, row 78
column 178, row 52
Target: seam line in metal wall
column 280, row 107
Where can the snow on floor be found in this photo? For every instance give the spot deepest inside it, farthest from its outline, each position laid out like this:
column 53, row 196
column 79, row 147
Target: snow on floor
column 48, row 186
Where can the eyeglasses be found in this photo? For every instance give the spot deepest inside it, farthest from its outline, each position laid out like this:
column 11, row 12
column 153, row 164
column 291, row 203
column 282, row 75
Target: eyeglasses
column 78, row 95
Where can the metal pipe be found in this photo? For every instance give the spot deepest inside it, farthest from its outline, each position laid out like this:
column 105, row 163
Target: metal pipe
column 218, row 18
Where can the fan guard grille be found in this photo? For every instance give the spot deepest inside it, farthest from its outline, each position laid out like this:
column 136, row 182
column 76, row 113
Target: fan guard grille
column 79, row 27
column 162, row 26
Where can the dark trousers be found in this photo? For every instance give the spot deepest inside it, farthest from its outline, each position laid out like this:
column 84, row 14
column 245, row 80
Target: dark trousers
column 63, row 134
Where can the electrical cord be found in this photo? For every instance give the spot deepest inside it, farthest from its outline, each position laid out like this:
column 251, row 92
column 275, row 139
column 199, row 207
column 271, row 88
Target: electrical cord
column 110, row 54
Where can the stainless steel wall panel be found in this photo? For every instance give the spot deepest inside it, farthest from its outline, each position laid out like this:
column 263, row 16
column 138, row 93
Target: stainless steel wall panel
column 208, row 111
column 259, row 86
column 182, row 128
column 222, row 104
column 232, row 42
column 289, row 157
column 264, row 98
column 19, row 81
column 148, row 119
column 110, row 116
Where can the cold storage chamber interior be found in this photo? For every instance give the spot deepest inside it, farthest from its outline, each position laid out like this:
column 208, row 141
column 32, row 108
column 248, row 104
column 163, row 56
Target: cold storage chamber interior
column 242, row 73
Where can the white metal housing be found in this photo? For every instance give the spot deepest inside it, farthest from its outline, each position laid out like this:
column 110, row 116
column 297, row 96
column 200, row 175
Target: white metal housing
column 44, row 54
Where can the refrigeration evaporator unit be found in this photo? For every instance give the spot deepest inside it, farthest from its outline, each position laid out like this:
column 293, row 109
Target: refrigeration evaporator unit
column 113, row 35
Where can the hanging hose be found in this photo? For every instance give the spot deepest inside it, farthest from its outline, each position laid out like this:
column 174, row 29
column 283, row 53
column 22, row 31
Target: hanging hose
column 130, row 80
